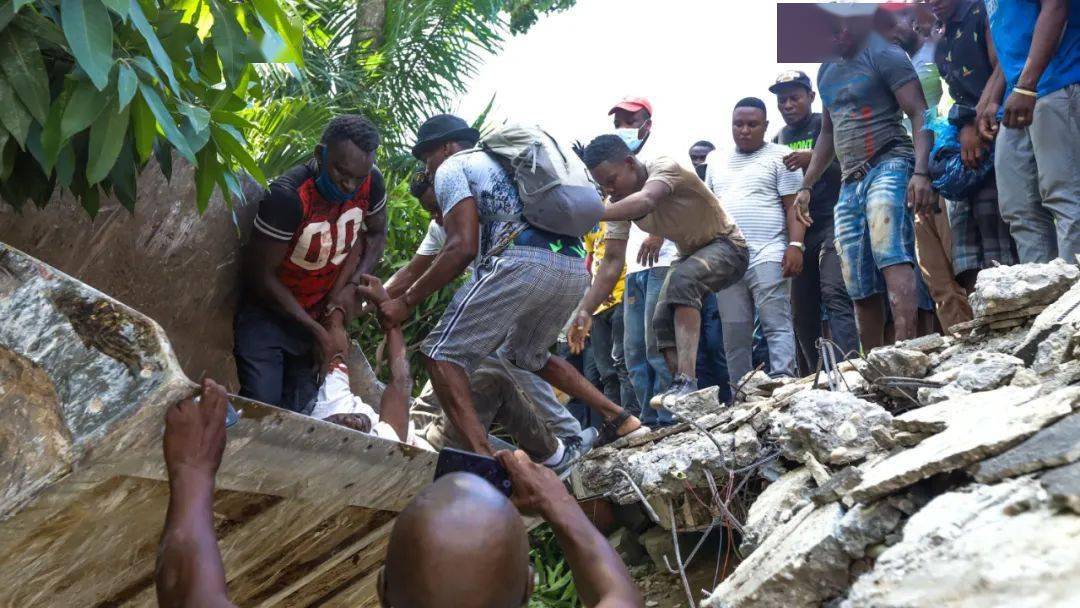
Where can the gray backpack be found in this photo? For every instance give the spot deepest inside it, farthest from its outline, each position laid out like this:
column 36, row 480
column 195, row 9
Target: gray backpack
column 557, row 193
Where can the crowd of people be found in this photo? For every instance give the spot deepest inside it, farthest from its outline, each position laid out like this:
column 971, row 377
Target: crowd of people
column 948, row 143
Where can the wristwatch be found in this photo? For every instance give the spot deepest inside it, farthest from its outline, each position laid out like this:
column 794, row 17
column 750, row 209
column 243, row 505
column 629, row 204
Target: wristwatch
column 801, row 247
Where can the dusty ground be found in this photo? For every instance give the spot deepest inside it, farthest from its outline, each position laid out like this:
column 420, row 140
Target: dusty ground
column 663, row 590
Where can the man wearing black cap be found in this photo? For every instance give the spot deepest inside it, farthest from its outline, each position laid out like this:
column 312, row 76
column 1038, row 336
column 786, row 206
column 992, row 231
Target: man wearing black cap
column 526, row 283
column 821, row 283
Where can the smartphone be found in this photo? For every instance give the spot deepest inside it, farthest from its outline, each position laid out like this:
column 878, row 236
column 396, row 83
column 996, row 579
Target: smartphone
column 453, row 461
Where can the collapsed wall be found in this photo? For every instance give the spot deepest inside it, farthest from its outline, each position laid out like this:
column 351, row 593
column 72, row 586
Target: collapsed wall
column 944, row 471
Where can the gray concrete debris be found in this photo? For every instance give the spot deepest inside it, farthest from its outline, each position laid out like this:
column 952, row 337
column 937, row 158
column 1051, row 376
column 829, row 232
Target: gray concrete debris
column 984, row 371
column 833, row 426
column 926, row 344
column 964, row 550
column 775, row 506
column 696, row 404
column 1063, row 485
column 1065, row 310
column 799, row 564
column 896, row 361
column 837, row 486
column 1007, row 288
column 747, row 446
column 866, row 525
column 1055, row 445
column 975, row 427
column 627, row 546
column 1056, row 348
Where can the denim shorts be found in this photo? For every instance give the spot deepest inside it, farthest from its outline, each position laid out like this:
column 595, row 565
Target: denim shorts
column 874, row 228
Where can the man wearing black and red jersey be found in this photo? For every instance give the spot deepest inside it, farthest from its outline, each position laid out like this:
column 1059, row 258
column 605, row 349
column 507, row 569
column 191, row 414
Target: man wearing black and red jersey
column 320, row 227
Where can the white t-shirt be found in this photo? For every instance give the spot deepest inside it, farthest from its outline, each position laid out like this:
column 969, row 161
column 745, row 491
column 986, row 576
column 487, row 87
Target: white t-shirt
column 749, row 187
column 433, row 241
column 668, row 251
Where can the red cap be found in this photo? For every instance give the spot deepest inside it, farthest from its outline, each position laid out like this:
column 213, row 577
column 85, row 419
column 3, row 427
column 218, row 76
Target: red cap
column 632, row 104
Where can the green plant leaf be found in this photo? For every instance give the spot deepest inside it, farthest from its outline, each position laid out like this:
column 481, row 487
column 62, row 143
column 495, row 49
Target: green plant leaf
column 13, row 115
column 65, row 166
column 82, row 109
column 206, row 175
column 42, row 28
column 21, row 61
column 7, row 161
column 91, row 201
column 144, row 127
column 229, row 40
column 127, row 81
column 89, row 30
column 290, row 30
column 122, row 176
column 120, row 7
column 106, row 137
column 199, row 117
column 231, row 145
column 51, row 141
column 138, row 19
column 165, row 121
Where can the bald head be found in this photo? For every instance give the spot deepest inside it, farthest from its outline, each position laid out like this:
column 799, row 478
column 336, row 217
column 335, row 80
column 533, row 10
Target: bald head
column 459, row 543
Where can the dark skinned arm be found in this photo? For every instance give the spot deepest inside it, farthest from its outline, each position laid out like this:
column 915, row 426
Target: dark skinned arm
column 920, row 196
column 189, row 569
column 394, row 404
column 262, row 259
column 638, row 204
column 1020, row 108
column 990, row 101
column 374, row 243
column 462, row 225
column 607, row 275
column 823, row 156
column 599, row 574
column 793, row 257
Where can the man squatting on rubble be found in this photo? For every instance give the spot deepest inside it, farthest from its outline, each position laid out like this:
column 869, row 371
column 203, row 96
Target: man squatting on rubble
column 459, row 542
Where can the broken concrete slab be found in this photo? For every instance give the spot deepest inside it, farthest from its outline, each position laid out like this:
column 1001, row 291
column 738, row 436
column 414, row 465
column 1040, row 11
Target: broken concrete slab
column 1056, row 348
column 837, row 486
column 625, row 543
column 1006, row 288
column 1053, row 446
column 975, row 427
column 833, row 426
column 895, row 361
column 1065, row 309
column 696, row 404
column 983, row 372
column 775, row 506
column 800, row 564
column 866, row 525
column 964, row 550
column 925, row 344
column 1063, row 486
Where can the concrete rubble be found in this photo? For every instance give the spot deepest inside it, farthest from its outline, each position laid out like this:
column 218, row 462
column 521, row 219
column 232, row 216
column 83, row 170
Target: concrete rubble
column 943, row 471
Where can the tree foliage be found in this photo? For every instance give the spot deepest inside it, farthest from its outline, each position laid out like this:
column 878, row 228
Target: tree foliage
column 91, row 89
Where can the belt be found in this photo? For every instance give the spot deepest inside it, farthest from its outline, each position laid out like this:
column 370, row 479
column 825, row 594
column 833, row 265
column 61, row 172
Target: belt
column 858, row 173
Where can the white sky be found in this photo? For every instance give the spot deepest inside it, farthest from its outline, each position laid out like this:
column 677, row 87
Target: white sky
column 693, row 59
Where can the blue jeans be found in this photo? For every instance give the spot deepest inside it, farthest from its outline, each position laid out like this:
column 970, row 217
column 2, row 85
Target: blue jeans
column 711, row 362
column 648, row 371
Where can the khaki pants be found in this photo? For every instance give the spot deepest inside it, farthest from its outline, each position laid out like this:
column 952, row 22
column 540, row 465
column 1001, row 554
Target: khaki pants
column 933, row 248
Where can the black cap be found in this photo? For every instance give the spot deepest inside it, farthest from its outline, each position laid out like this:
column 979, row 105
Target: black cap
column 791, row 77
column 441, row 129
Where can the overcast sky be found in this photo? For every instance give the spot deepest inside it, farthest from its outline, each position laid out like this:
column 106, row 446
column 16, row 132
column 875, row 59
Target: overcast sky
column 693, row 59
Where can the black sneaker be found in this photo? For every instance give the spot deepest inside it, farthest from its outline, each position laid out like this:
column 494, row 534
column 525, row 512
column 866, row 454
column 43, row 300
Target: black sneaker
column 681, row 386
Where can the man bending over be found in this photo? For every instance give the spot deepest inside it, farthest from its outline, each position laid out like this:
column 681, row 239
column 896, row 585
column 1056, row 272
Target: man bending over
column 664, row 199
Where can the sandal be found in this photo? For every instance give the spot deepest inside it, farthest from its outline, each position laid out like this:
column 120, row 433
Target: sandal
column 609, row 430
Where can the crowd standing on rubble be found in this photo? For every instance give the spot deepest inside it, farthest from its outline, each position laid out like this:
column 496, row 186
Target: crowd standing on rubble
column 852, row 225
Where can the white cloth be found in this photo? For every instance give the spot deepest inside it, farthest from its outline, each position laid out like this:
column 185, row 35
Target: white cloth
column 433, row 241
column 335, row 397
column 749, row 187
column 668, row 252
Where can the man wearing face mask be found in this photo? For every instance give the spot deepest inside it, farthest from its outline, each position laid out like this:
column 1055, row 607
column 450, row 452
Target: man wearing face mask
column 320, row 227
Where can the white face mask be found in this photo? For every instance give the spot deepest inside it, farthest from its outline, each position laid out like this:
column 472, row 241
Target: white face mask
column 629, row 135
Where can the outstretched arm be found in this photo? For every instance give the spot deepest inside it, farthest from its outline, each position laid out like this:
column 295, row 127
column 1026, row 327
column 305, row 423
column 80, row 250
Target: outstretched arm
column 189, row 568
column 394, row 404
column 638, row 204
column 607, row 275
column 600, row 576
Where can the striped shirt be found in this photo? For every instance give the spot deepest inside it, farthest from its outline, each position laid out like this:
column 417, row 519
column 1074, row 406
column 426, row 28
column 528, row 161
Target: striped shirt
column 749, row 187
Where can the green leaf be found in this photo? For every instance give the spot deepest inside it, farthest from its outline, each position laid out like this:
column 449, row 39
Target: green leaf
column 82, row 109
column 65, row 166
column 199, row 117
column 163, row 154
column 106, row 137
column 120, row 7
column 21, row 61
column 7, row 159
column 290, row 30
column 40, row 27
column 165, row 121
column 122, row 176
column 51, row 140
column 230, row 41
column 206, row 174
column 144, row 126
column 231, row 145
column 138, row 19
column 13, row 115
column 126, row 83
column 195, row 139
column 91, row 201
column 89, row 31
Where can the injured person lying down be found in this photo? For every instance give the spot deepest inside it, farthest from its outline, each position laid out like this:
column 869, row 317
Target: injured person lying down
column 335, row 401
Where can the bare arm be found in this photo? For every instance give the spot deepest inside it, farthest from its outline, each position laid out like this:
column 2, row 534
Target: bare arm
column 190, row 572
column 394, row 404
column 373, row 240
column 462, row 226
column 263, row 257
column 607, row 275
column 600, row 576
column 824, row 153
column 404, row 278
column 638, row 204
column 920, row 195
column 1053, row 14
column 990, row 100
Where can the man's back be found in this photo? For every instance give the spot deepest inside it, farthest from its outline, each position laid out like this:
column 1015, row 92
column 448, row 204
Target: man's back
column 477, row 175
column 859, row 95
